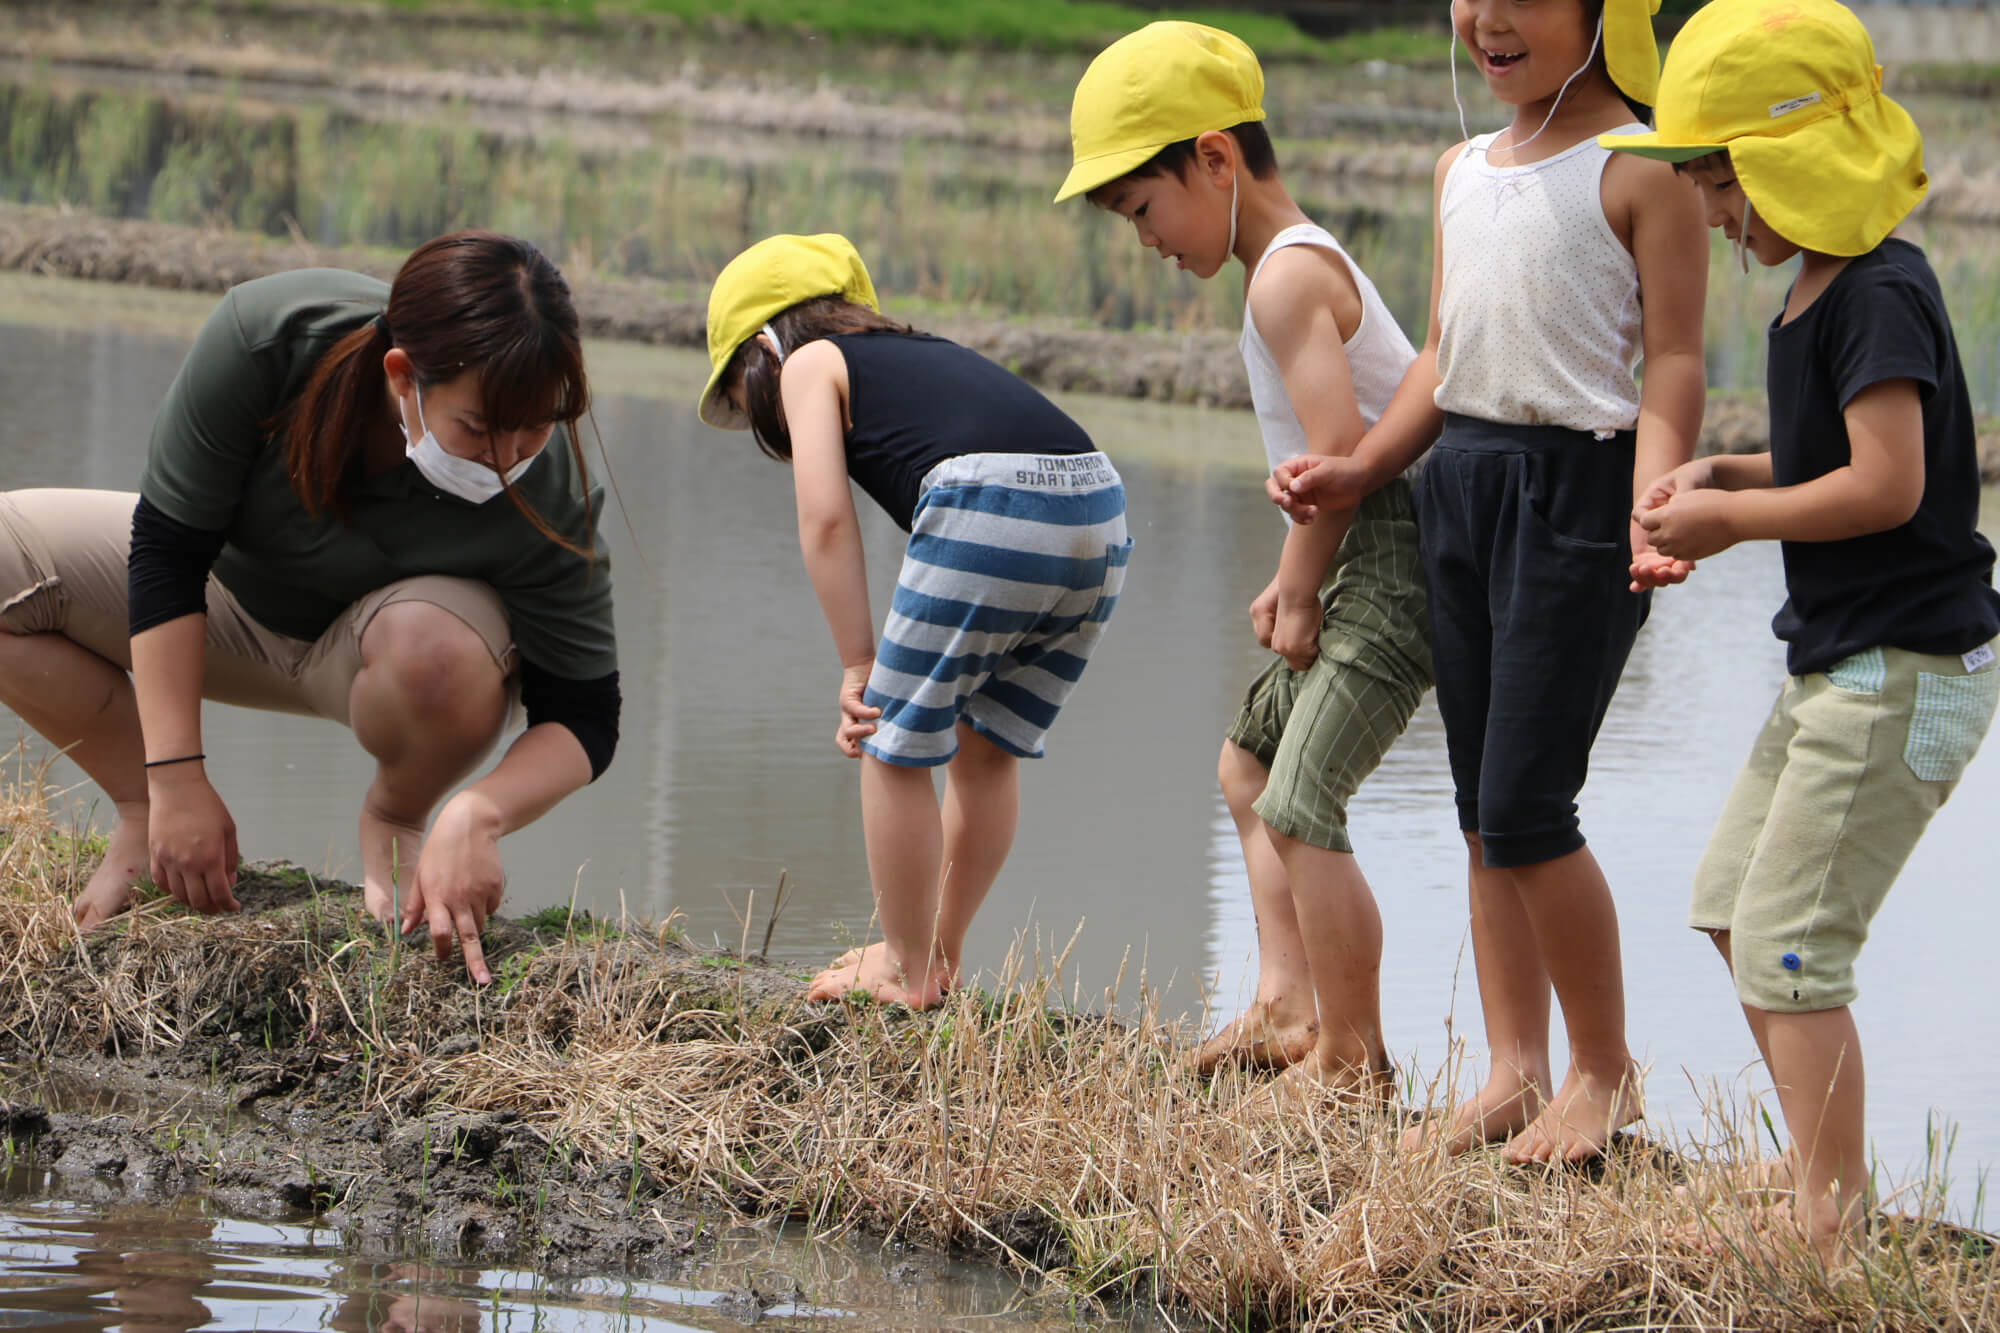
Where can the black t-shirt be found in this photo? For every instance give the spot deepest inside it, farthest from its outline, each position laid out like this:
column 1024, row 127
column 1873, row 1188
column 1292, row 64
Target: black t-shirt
column 1926, row 586
column 916, row 401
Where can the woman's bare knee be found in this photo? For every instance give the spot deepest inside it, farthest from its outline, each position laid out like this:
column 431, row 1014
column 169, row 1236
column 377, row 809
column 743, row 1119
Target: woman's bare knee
column 433, row 666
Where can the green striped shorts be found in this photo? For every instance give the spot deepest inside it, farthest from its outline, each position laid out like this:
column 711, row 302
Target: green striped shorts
column 1323, row 730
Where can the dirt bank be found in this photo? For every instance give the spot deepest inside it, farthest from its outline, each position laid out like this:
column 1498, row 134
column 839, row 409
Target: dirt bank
column 613, row 1082
column 1200, row 367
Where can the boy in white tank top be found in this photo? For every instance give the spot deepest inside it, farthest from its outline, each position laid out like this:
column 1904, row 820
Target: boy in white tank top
column 1167, row 133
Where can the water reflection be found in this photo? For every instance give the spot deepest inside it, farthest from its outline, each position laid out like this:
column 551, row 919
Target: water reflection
column 727, row 777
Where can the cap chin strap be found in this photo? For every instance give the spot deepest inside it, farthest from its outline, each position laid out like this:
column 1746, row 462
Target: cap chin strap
column 1451, row 57
column 1743, row 234
column 777, row 343
column 1233, row 178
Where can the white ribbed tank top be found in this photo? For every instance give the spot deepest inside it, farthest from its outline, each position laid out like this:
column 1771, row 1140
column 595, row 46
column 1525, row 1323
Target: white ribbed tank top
column 1377, row 354
column 1539, row 309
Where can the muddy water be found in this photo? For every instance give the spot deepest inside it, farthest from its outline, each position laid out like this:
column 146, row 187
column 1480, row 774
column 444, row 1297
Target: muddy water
column 109, row 1264
column 1126, row 867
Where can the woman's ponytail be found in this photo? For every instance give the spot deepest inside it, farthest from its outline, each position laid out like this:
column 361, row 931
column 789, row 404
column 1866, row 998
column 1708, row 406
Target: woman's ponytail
column 326, row 425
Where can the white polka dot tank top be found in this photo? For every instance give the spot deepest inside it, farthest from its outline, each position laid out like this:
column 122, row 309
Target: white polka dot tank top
column 1377, row 354
column 1539, row 309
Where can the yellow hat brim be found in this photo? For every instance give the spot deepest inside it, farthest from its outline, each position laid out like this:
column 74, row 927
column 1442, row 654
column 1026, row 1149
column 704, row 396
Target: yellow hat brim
column 1091, row 172
column 1631, row 51
column 716, row 409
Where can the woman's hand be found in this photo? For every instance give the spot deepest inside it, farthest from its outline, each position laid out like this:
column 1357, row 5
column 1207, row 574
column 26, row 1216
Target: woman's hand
column 857, row 719
column 191, row 839
column 459, row 880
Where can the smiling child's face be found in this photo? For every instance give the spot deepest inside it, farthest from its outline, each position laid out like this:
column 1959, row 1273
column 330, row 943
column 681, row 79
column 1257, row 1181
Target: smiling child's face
column 1185, row 218
column 1525, row 49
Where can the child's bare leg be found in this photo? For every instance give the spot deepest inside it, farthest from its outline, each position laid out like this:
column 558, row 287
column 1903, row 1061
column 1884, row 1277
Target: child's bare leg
column 982, row 806
column 1342, row 931
column 1576, row 925
column 1279, row 1026
column 1816, row 1065
column 1514, row 1002
column 905, row 836
column 82, row 704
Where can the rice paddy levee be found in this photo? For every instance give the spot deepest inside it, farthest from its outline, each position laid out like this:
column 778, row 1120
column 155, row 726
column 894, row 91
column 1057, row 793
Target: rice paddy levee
column 615, row 1085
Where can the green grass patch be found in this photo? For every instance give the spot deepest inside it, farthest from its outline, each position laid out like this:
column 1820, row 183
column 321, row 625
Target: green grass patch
column 1005, row 24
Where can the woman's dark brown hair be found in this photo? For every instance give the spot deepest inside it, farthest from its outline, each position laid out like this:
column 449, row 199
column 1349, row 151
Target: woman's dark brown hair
column 757, row 367
column 472, row 300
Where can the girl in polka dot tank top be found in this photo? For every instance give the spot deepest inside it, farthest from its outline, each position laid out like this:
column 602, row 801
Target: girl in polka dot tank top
column 1556, row 270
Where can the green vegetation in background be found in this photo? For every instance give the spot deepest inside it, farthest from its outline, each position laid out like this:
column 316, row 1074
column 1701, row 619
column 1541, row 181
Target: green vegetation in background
column 1060, row 25
column 971, row 232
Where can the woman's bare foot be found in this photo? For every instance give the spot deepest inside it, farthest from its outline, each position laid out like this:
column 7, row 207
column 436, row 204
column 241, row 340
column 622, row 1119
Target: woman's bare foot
column 872, row 970
column 109, row 891
column 1264, row 1036
column 1505, row 1106
column 1579, row 1123
column 876, row 956
column 389, row 852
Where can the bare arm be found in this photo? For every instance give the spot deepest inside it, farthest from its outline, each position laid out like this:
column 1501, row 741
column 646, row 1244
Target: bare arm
column 1297, row 304
column 814, row 387
column 1879, row 489
column 191, row 835
column 1409, row 425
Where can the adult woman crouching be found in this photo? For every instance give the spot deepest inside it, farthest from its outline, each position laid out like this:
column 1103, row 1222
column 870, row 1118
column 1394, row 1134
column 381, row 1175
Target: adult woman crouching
column 362, row 503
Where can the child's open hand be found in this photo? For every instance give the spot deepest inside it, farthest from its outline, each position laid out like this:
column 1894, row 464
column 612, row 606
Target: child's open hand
column 857, row 719
column 1304, row 485
column 1651, row 570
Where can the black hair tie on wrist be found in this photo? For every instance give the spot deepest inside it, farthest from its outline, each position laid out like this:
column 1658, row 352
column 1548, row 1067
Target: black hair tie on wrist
column 178, row 759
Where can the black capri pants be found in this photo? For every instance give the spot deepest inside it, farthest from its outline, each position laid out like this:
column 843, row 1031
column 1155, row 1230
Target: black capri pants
column 1525, row 541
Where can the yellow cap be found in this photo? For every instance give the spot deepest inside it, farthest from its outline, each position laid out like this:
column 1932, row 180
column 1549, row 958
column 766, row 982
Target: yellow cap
column 1631, row 52
column 1167, row 82
column 764, row 281
column 1791, row 89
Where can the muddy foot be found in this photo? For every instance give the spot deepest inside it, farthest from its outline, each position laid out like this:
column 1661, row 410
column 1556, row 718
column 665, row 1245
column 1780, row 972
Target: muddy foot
column 1500, row 1110
column 389, row 852
column 1258, row 1038
column 1577, row 1125
column 109, row 892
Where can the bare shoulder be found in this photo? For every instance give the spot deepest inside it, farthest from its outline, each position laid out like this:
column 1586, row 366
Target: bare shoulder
column 813, row 364
column 1298, row 281
column 1447, row 160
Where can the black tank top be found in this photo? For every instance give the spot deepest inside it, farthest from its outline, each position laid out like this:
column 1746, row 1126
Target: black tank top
column 916, row 400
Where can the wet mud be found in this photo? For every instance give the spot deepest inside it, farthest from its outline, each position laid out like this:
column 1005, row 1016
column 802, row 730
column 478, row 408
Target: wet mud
column 226, row 1078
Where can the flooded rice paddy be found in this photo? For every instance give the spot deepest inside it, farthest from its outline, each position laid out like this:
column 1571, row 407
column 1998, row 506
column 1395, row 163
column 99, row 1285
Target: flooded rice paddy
column 726, row 784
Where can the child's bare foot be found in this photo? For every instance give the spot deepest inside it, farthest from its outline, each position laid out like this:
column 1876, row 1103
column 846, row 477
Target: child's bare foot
column 1505, row 1106
column 389, row 852
column 876, row 956
column 1579, row 1123
column 1767, row 1179
column 109, row 891
column 872, row 970
column 1264, row 1036
column 1316, row 1078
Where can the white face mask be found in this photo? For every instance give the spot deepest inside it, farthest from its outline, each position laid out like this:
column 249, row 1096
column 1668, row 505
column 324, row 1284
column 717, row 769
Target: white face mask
column 467, row 478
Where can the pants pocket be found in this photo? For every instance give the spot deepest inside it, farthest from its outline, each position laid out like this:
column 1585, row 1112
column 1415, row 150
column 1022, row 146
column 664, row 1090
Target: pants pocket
column 1947, row 722
column 1864, row 673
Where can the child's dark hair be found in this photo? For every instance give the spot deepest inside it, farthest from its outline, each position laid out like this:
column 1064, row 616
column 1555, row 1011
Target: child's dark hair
column 1593, row 16
column 758, row 368
column 1253, row 141
column 1717, row 160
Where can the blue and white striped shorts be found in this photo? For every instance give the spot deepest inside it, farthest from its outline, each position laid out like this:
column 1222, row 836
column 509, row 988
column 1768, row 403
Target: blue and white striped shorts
column 1014, row 565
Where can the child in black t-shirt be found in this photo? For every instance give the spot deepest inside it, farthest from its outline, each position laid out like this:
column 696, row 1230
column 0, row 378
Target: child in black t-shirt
column 1872, row 487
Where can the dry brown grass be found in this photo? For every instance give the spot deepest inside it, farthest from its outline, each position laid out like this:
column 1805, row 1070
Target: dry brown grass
column 1071, row 1147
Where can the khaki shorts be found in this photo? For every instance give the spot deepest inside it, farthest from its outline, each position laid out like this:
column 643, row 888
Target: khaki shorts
column 63, row 570
column 1323, row 730
column 1841, row 783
